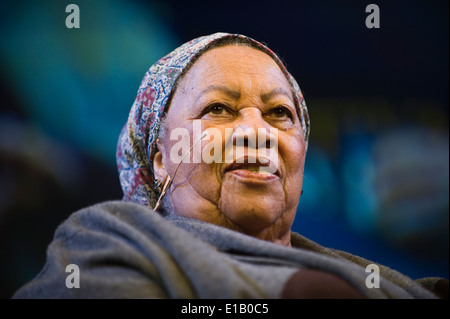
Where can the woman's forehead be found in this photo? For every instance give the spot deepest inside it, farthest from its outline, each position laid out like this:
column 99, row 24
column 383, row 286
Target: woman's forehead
column 234, row 66
column 235, row 53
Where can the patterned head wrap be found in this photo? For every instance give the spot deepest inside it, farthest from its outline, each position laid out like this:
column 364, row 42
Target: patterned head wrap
column 137, row 141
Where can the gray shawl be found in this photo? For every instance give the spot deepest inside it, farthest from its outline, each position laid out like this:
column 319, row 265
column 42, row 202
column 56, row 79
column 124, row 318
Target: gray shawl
column 125, row 250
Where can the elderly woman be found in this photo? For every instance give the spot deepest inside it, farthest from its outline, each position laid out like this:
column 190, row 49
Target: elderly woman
column 211, row 164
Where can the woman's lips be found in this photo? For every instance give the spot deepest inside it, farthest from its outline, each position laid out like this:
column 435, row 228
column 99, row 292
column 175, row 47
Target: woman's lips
column 260, row 169
column 255, row 175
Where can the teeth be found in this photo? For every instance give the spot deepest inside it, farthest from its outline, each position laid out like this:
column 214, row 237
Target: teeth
column 258, row 169
column 265, row 170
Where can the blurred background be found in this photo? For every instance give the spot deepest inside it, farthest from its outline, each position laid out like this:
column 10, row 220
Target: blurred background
column 377, row 171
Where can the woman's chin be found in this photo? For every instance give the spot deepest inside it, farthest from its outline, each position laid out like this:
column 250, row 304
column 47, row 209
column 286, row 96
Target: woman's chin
column 251, row 212
column 251, row 203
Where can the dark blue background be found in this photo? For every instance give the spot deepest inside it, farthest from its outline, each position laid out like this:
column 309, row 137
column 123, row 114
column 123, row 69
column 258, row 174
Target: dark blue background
column 376, row 176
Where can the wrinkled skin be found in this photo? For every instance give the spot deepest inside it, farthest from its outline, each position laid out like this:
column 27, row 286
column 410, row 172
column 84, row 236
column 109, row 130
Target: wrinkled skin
column 236, row 87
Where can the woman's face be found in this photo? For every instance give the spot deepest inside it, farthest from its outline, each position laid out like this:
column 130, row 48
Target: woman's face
column 242, row 99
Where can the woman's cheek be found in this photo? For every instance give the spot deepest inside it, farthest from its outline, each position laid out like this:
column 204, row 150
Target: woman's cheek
column 206, row 181
column 292, row 150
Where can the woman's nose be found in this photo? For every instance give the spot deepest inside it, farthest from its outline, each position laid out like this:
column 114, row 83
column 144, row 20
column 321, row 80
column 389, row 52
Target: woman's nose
column 252, row 131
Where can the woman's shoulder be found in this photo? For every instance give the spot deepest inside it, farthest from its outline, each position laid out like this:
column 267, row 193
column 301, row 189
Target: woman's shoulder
column 118, row 223
column 123, row 210
column 114, row 239
column 110, row 215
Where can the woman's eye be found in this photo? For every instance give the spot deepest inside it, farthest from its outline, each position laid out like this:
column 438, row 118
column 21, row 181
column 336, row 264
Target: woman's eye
column 217, row 109
column 280, row 112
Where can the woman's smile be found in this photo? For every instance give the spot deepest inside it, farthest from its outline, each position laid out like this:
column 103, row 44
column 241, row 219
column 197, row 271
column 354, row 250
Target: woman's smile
column 255, row 146
column 252, row 174
column 251, row 169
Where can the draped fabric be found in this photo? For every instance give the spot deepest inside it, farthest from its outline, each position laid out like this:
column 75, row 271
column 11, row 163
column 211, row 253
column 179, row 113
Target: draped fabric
column 137, row 141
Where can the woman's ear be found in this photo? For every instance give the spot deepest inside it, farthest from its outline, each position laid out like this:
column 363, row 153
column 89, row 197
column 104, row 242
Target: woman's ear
column 159, row 169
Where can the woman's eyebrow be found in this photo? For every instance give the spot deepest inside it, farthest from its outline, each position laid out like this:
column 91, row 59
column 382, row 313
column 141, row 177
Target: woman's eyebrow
column 277, row 91
column 235, row 95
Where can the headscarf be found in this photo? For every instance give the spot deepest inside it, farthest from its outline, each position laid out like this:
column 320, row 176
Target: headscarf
column 137, row 141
